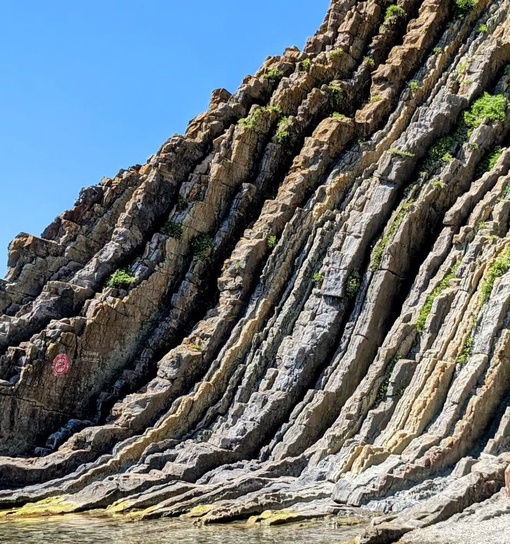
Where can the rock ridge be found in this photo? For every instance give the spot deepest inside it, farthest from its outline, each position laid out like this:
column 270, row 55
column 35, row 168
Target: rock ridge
column 300, row 306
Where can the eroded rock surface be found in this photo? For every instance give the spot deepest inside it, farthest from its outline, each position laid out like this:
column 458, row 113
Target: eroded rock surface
column 298, row 307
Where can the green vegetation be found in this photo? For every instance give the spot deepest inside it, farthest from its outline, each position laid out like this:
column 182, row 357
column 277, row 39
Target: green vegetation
column 483, row 29
column 283, row 135
column 394, row 11
column 500, row 267
column 383, row 242
column 337, row 115
column 463, row 66
column 438, row 183
column 465, row 5
column 439, row 152
column 414, row 85
column 438, row 50
column 273, row 109
column 382, row 394
column 353, row 284
column 467, row 349
column 489, row 161
column 400, row 153
column 408, row 190
column 494, row 156
column 252, row 120
column 201, row 244
column 336, row 90
column 491, row 107
column 271, row 242
column 375, row 98
column 274, row 76
column 305, row 65
column 173, row 229
column 182, row 204
column 121, row 279
column 369, row 61
column 318, row 279
column 336, row 53
column 427, row 307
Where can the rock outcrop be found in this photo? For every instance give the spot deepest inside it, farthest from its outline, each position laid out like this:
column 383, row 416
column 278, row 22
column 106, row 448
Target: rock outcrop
column 302, row 304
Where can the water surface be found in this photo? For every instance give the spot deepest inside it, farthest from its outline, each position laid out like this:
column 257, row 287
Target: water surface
column 77, row 529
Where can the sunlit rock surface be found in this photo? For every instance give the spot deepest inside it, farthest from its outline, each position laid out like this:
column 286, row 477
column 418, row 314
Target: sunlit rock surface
column 301, row 304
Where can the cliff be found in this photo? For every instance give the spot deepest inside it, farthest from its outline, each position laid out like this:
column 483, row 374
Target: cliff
column 300, row 304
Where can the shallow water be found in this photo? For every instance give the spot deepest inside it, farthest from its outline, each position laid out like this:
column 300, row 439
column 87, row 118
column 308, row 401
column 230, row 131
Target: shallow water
column 77, row 529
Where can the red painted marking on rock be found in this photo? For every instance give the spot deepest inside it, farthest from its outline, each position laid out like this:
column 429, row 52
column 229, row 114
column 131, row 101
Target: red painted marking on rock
column 61, row 365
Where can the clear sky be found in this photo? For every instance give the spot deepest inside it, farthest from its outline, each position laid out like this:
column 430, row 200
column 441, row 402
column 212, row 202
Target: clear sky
column 92, row 86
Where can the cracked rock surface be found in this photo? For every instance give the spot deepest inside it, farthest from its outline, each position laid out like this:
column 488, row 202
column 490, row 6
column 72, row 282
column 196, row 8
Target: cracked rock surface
column 299, row 307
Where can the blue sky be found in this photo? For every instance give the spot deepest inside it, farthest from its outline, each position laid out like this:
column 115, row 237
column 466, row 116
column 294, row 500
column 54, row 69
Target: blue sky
column 90, row 87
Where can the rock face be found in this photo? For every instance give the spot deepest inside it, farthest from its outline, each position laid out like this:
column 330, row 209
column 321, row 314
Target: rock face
column 302, row 303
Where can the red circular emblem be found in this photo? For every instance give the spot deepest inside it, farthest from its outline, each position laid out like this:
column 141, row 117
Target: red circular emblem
column 61, row 365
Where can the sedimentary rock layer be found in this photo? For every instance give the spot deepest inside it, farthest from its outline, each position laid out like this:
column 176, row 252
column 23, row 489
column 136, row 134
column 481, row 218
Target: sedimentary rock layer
column 302, row 303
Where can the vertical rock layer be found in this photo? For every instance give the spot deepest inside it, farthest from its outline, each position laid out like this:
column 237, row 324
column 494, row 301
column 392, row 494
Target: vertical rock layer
column 314, row 302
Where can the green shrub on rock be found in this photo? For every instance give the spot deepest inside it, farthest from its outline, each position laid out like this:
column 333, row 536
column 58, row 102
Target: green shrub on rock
column 274, row 76
column 427, row 307
column 467, row 349
column 394, row 11
column 414, row 85
column 491, row 107
column 172, row 229
column 369, row 61
column 305, row 65
column 318, row 279
column 500, row 266
column 336, row 53
column 284, row 135
column 353, row 284
column 121, row 279
column 182, row 204
column 439, row 153
column 200, row 245
column 489, row 161
column 465, row 5
column 271, row 242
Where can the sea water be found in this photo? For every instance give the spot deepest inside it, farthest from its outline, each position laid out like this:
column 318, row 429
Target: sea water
column 86, row 528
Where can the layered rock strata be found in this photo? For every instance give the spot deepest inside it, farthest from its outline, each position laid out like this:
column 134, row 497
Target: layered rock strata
column 302, row 304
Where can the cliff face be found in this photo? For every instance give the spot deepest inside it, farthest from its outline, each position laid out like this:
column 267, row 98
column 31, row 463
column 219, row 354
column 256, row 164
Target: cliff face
column 301, row 303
